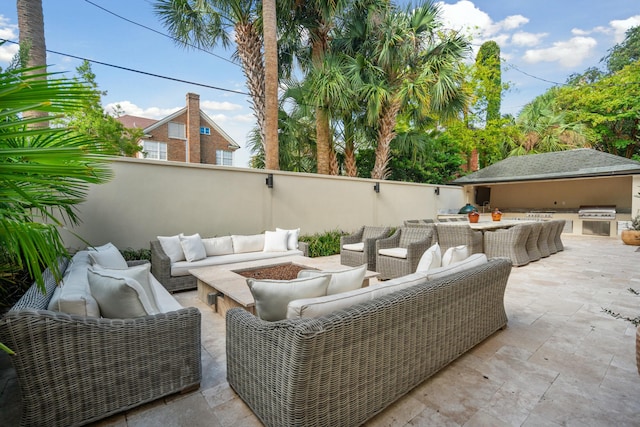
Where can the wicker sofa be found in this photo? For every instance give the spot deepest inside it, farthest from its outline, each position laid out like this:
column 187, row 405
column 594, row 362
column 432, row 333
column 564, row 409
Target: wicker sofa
column 344, row 367
column 175, row 276
column 73, row 370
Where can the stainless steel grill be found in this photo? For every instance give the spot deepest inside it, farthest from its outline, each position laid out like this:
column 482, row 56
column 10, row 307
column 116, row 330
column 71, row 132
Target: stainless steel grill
column 597, row 212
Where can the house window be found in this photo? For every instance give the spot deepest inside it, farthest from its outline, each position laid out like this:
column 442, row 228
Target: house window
column 224, row 158
column 205, row 130
column 177, row 130
column 154, row 150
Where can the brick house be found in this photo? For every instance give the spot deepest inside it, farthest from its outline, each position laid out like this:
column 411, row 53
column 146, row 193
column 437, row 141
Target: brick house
column 188, row 135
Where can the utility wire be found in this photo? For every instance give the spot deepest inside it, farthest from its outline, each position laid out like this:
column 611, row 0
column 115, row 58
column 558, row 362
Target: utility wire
column 161, row 33
column 137, row 71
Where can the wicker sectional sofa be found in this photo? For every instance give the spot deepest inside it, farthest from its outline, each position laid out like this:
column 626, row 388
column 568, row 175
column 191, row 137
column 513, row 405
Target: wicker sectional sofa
column 74, row 369
column 345, row 366
column 174, row 275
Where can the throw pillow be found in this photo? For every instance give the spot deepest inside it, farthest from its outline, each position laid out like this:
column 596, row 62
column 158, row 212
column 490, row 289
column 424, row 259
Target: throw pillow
column 341, row 280
column 272, row 296
column 431, row 259
column 107, row 256
column 118, row 297
column 252, row 243
column 292, row 239
column 473, row 261
column 356, row 247
column 455, row 254
column 218, row 245
column 192, row 247
column 141, row 274
column 275, row 241
column 172, row 247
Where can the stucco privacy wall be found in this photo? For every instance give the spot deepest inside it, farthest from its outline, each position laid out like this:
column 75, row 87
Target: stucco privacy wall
column 148, row 198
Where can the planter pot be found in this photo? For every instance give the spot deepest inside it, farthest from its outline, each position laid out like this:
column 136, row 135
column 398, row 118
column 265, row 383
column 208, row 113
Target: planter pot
column 631, row 237
column 496, row 215
column 473, row 216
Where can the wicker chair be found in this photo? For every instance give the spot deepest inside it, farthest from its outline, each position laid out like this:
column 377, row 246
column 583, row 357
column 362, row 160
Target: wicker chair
column 532, row 241
column 450, row 235
column 558, row 235
column 415, row 240
column 424, row 224
column 508, row 243
column 543, row 239
column 368, row 236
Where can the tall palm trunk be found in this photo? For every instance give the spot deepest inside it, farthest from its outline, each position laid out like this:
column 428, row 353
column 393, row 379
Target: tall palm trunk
column 31, row 27
column 323, row 130
column 386, row 133
column 249, row 46
column 271, row 84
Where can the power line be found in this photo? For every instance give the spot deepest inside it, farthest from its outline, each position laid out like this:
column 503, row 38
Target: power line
column 138, row 71
column 161, row 33
column 535, row 77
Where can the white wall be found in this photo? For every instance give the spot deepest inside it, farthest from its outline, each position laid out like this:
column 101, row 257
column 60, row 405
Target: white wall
column 148, row 198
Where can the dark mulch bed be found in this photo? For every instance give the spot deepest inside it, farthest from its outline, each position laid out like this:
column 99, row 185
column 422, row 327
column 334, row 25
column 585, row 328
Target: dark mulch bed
column 276, row 272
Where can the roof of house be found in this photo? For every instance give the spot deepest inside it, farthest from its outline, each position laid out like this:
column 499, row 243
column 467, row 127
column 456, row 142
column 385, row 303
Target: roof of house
column 135, row 122
column 579, row 163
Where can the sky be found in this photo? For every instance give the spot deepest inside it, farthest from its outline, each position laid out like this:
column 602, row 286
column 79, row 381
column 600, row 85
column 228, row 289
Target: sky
column 542, row 43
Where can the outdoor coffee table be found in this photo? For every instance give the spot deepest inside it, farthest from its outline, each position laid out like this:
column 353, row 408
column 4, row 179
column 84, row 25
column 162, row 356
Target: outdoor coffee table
column 222, row 288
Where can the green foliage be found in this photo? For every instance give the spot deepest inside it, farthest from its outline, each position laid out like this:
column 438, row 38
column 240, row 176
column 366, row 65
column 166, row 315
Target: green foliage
column 323, row 244
column 624, row 53
column 635, row 223
column 488, row 77
column 130, row 254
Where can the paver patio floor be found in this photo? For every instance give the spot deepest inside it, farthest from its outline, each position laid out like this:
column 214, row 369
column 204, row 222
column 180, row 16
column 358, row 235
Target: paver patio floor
column 561, row 361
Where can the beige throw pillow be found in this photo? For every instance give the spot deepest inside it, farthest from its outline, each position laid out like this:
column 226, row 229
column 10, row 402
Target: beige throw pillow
column 107, row 256
column 172, row 247
column 192, row 247
column 272, row 296
column 141, row 274
column 455, row 254
column 431, row 259
column 292, row 238
column 118, row 297
column 275, row 241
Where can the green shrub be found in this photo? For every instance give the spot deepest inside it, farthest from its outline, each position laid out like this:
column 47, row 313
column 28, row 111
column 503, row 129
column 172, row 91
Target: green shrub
column 324, row 244
column 130, row 254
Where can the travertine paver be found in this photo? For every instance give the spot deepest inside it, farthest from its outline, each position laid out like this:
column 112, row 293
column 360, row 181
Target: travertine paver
column 561, row 361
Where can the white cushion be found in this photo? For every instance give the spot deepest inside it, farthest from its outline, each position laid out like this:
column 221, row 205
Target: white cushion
column 252, row 243
column 192, row 247
column 455, row 254
column 292, row 237
column 73, row 295
column 141, row 274
column 315, row 307
column 384, row 288
column 275, row 241
column 273, row 296
column 181, row 268
column 107, row 256
column 214, row 246
column 172, row 247
column 394, row 252
column 431, row 259
column 472, row 261
column 341, row 280
column 356, row 247
column 118, row 297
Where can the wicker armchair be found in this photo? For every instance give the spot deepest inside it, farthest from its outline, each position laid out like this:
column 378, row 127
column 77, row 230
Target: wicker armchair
column 450, row 235
column 368, row 236
column 161, row 270
column 558, row 234
column 532, row 241
column 415, row 240
column 543, row 239
column 74, row 370
column 551, row 239
column 508, row 243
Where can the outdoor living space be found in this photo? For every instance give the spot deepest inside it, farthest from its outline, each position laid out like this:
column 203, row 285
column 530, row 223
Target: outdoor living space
column 561, row 360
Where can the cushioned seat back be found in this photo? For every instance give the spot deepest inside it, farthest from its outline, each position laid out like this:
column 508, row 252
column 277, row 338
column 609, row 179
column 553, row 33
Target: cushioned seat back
column 411, row 234
column 372, row 232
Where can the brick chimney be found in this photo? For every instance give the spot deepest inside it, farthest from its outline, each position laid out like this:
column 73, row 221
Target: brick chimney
column 193, row 127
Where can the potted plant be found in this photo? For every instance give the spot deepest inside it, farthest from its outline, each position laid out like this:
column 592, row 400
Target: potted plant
column 632, row 235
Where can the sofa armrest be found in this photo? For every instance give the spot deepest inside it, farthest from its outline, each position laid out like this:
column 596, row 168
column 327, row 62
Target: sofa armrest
column 352, row 238
column 90, row 368
column 390, row 242
column 160, row 263
column 304, row 247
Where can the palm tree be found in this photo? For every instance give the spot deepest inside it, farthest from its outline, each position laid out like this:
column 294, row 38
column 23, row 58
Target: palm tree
column 32, row 41
column 44, row 172
column 269, row 25
column 207, row 23
column 403, row 60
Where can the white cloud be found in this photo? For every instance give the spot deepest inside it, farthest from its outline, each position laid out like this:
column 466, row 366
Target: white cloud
column 8, row 32
column 464, row 15
column 523, row 38
column 568, row 54
column 598, row 29
column 219, row 106
column 620, row 27
column 132, row 109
